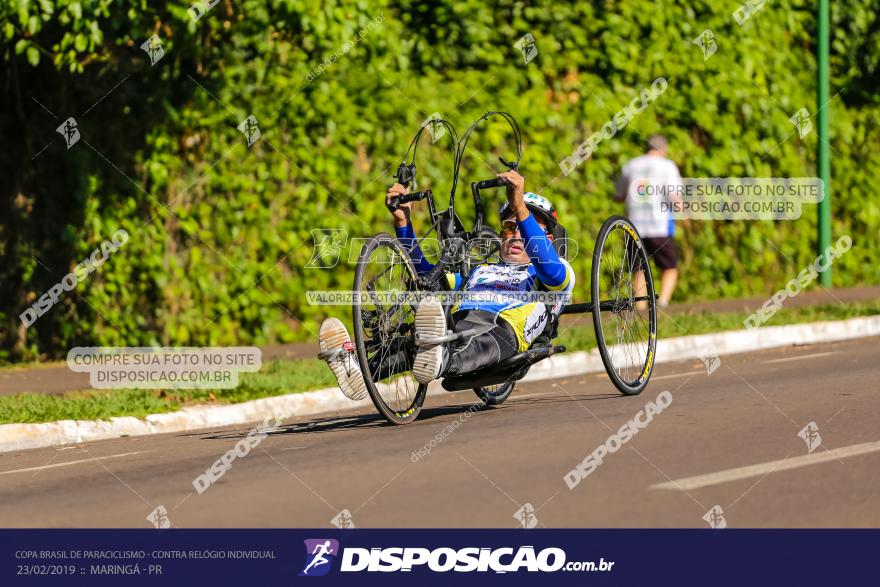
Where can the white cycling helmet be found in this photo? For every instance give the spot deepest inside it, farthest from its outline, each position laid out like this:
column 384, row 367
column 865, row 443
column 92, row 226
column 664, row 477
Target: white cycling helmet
column 537, row 205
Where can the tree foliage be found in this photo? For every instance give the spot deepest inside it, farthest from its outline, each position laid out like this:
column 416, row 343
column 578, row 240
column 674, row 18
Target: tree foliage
column 220, row 233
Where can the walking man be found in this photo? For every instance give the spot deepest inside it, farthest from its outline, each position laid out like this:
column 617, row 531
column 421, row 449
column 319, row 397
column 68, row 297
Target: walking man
column 645, row 184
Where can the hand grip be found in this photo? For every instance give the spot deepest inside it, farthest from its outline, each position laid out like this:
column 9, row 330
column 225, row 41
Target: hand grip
column 490, row 183
column 396, row 201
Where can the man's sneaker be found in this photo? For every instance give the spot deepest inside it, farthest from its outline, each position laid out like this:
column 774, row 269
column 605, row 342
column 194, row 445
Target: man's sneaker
column 430, row 323
column 338, row 350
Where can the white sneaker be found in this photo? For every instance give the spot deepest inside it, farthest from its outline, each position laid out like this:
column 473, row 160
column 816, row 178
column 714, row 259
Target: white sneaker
column 430, row 323
column 339, row 352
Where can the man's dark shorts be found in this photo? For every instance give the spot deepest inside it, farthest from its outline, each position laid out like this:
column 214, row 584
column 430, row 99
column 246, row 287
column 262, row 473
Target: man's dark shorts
column 662, row 249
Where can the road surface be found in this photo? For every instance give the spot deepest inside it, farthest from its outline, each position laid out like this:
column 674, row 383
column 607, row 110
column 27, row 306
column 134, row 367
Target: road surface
column 728, row 442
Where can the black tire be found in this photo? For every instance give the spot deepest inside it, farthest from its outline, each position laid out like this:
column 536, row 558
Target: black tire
column 626, row 335
column 384, row 331
column 494, row 395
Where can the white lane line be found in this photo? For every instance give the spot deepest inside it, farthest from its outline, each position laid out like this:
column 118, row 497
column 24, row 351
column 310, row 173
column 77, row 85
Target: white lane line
column 699, row 481
column 55, row 465
column 799, row 357
column 674, row 375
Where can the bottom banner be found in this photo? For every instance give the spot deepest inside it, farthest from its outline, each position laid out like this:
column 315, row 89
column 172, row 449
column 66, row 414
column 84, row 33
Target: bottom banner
column 608, row 557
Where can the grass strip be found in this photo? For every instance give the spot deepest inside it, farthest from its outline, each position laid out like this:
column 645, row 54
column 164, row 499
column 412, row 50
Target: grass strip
column 288, row 376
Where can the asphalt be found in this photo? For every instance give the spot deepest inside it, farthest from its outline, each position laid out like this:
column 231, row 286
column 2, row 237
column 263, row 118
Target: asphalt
column 490, row 463
column 55, row 378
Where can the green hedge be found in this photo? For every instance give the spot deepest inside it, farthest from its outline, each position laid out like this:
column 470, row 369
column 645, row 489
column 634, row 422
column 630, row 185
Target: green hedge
column 220, row 233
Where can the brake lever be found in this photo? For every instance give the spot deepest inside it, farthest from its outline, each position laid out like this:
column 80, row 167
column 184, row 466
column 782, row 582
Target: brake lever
column 405, row 174
column 512, row 165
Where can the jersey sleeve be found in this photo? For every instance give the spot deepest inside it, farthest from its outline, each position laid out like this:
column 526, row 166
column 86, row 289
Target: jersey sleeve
column 551, row 271
column 407, row 237
column 566, row 290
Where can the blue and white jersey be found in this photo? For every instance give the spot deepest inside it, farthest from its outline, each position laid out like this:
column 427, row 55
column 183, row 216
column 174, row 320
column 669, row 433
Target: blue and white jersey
column 503, row 288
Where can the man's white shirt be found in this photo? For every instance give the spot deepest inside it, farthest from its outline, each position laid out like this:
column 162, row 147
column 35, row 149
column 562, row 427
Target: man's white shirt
column 646, row 212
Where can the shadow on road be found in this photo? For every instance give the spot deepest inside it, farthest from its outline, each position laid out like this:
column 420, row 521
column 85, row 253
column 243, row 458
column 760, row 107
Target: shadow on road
column 340, row 423
column 368, row 421
column 565, row 397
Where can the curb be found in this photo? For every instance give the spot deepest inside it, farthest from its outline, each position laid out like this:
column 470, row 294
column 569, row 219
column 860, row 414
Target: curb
column 15, row 437
column 726, row 343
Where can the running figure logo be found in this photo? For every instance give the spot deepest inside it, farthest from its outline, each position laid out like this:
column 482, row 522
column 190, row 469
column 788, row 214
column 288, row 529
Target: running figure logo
column 159, row 518
column 706, row 42
column 810, row 435
column 343, row 519
column 153, row 48
column 320, row 553
column 709, row 357
column 328, row 245
column 715, row 518
column 526, row 516
column 526, row 46
column 801, row 121
column 437, row 130
column 250, row 129
column 70, row 131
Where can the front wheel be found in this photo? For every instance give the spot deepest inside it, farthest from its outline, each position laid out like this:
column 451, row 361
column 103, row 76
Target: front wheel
column 384, row 328
column 624, row 305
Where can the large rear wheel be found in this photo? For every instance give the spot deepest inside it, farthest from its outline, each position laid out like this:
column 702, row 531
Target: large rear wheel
column 384, row 328
column 624, row 306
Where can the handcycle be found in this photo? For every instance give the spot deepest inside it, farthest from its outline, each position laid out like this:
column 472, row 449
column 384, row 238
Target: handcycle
column 623, row 304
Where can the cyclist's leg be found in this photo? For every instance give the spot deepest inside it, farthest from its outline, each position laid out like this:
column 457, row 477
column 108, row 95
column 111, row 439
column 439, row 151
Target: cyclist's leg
column 494, row 342
column 430, row 323
column 338, row 350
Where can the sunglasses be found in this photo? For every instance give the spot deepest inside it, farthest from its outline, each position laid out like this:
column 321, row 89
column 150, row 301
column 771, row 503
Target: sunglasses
column 510, row 226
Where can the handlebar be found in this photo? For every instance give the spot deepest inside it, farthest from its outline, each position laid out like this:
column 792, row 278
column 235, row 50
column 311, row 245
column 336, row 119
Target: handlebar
column 476, row 186
column 396, row 201
column 490, row 183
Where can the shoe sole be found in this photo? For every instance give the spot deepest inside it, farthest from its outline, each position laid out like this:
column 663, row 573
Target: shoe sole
column 430, row 322
column 349, row 376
